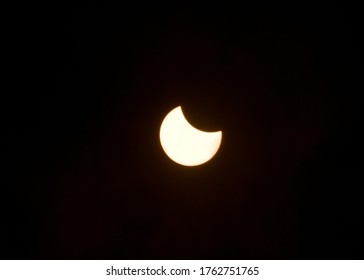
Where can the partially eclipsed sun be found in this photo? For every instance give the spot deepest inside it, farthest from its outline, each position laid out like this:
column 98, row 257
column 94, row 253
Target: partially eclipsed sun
column 185, row 144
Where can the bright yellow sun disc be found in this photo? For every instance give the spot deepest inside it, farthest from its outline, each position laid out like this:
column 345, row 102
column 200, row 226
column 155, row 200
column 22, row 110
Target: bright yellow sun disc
column 185, row 144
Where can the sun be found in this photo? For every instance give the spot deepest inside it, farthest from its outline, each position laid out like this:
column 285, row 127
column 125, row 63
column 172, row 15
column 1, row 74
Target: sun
column 185, row 144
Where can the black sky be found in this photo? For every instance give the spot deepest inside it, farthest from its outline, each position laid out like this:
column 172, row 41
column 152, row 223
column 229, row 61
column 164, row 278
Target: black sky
column 93, row 82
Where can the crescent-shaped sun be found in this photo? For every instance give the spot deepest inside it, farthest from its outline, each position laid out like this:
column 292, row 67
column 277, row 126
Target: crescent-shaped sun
column 185, row 144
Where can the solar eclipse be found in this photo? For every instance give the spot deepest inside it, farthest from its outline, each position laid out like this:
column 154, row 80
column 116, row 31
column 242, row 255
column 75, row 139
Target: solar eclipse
column 185, row 144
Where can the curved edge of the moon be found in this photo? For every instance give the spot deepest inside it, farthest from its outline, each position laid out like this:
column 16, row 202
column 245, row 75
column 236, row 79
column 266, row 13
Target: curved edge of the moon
column 200, row 131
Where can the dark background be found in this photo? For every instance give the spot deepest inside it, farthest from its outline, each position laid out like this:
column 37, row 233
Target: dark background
column 93, row 82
